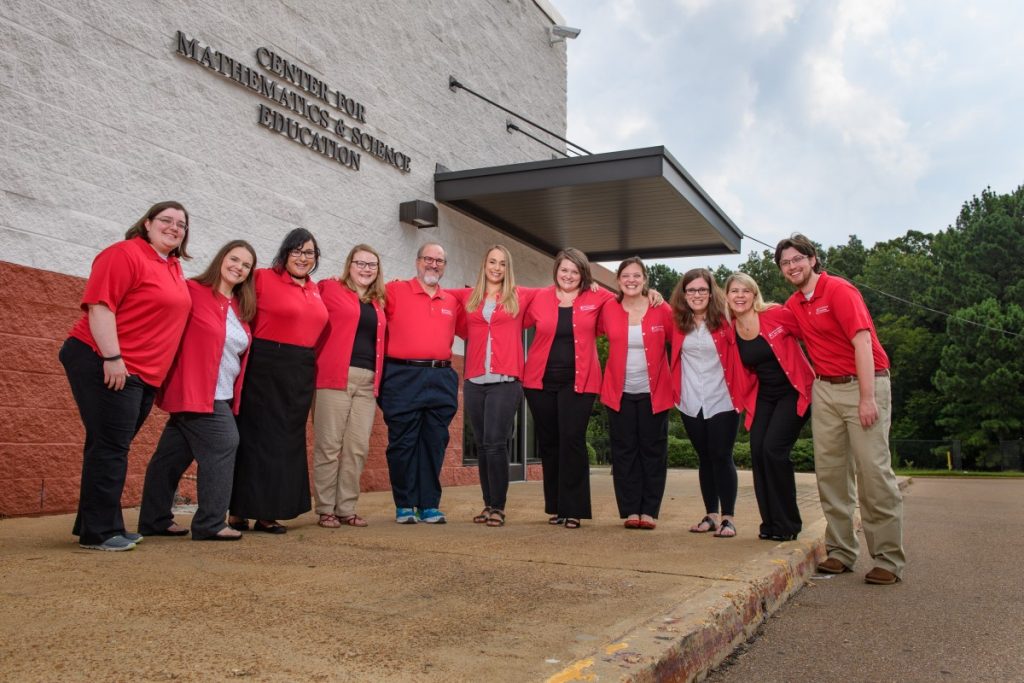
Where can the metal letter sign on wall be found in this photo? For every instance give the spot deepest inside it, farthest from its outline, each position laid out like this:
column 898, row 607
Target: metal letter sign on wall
column 314, row 102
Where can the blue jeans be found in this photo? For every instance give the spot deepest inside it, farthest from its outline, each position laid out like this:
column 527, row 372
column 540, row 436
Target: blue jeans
column 418, row 405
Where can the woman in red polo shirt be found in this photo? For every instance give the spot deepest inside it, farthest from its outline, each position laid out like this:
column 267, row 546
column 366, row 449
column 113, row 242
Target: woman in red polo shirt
column 777, row 401
column 271, row 472
column 707, row 385
column 637, row 391
column 349, row 359
column 562, row 377
column 202, row 395
column 493, row 389
column 135, row 306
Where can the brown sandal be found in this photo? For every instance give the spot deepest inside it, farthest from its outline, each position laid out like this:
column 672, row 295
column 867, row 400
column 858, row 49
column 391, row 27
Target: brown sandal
column 353, row 520
column 482, row 517
column 329, row 522
column 496, row 518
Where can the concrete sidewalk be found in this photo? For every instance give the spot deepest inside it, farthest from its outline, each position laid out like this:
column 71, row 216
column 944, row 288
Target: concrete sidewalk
column 527, row 602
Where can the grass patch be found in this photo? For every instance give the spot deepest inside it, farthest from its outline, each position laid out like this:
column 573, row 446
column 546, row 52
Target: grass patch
column 909, row 472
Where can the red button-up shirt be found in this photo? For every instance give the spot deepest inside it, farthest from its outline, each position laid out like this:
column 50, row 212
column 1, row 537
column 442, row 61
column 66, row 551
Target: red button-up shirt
column 543, row 313
column 420, row 326
column 334, row 349
column 149, row 298
column 656, row 327
column 192, row 381
column 732, row 367
column 286, row 312
column 506, row 335
column 828, row 322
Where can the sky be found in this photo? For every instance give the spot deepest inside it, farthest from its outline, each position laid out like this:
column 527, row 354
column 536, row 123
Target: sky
column 828, row 117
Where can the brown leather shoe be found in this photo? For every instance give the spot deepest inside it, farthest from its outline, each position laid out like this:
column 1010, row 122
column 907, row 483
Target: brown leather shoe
column 881, row 577
column 833, row 566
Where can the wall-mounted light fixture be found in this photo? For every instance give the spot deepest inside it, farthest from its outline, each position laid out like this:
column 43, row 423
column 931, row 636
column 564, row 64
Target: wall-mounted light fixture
column 560, row 33
column 419, row 213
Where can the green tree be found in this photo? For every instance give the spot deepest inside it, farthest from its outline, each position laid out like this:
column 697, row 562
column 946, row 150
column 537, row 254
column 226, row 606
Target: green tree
column 662, row 278
column 767, row 275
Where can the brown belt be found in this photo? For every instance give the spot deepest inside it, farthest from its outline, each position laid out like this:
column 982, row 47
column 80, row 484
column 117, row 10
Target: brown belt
column 846, row 379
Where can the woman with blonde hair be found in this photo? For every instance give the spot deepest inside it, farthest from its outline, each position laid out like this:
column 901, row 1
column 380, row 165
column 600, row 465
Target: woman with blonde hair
column 349, row 359
column 708, row 390
column 777, row 400
column 493, row 388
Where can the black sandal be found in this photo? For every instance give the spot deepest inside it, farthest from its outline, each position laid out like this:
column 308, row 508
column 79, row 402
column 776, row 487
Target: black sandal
column 707, row 520
column 496, row 518
column 725, row 526
column 571, row 523
column 482, row 517
column 555, row 519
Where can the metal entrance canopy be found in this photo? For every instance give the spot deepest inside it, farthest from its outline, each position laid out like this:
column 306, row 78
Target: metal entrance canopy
column 638, row 202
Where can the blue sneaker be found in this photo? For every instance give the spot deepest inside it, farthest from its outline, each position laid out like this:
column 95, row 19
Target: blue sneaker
column 134, row 538
column 405, row 516
column 112, row 544
column 432, row 516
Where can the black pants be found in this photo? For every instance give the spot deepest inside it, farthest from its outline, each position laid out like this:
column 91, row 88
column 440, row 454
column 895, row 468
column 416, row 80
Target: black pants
column 491, row 409
column 713, row 439
column 560, row 417
column 111, row 419
column 210, row 439
column 639, row 445
column 775, row 429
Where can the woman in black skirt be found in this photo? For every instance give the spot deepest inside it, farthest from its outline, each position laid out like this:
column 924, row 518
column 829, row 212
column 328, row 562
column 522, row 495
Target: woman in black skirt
column 271, row 471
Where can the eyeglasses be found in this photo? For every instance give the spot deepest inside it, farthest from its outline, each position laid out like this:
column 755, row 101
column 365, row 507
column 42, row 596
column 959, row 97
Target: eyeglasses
column 431, row 261
column 697, row 291
column 308, row 253
column 365, row 265
column 167, row 221
column 792, row 261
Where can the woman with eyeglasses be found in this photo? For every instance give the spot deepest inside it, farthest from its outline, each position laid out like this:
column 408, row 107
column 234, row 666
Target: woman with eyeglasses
column 777, row 401
column 117, row 355
column 493, row 388
column 708, row 385
column 202, row 393
column 637, row 392
column 271, row 474
column 349, row 360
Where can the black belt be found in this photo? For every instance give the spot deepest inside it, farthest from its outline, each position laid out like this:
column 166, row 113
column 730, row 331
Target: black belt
column 421, row 363
column 846, row 379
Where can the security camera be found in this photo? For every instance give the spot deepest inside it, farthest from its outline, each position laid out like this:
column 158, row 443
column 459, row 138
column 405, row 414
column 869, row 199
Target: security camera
column 560, row 33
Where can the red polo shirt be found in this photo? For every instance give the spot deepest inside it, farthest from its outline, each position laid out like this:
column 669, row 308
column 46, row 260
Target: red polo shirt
column 420, row 326
column 656, row 327
column 725, row 343
column 543, row 313
column 192, row 380
column 286, row 312
column 334, row 350
column 778, row 327
column 506, row 335
column 828, row 322
column 150, row 301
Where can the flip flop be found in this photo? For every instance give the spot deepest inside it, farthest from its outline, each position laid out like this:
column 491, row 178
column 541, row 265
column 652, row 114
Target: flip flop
column 695, row 529
column 726, row 525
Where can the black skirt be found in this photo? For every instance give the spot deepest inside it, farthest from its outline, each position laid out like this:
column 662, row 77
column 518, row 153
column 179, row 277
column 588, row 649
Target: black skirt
column 271, row 471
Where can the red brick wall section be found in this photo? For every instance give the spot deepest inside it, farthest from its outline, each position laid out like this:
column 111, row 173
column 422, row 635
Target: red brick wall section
column 41, row 434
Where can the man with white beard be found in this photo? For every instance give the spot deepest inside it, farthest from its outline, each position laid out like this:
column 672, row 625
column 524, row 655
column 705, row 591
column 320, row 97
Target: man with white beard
column 419, row 389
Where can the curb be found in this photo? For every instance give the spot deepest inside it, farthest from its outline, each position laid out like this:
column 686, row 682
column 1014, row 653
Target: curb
column 687, row 641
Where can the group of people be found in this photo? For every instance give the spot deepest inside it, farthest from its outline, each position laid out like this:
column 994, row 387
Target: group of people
column 240, row 355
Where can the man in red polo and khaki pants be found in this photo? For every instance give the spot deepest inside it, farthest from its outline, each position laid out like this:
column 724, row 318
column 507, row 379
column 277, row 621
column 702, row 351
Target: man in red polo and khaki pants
column 851, row 414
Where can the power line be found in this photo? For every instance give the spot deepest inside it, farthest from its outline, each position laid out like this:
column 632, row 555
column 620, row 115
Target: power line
column 951, row 316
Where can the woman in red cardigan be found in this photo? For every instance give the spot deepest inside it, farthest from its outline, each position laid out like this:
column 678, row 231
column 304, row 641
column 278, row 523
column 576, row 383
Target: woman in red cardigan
column 349, row 358
column 493, row 388
column 708, row 386
column 562, row 378
column 202, row 394
column 637, row 390
column 777, row 401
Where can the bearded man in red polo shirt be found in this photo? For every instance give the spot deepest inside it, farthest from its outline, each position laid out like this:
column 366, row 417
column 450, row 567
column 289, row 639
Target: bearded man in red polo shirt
column 419, row 392
column 851, row 414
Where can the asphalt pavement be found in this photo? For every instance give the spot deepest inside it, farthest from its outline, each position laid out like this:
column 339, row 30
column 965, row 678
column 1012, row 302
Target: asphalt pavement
column 957, row 616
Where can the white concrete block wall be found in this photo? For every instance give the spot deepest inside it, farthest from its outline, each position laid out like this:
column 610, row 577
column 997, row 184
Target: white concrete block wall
column 99, row 118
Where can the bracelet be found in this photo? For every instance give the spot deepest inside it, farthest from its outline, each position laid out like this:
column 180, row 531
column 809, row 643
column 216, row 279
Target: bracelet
column 107, row 358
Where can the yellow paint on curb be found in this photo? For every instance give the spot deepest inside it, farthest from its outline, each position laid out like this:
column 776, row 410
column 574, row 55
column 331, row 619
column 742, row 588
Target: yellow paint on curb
column 615, row 647
column 574, row 673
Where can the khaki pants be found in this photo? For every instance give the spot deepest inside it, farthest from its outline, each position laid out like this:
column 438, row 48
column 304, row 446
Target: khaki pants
column 848, row 457
column 342, row 423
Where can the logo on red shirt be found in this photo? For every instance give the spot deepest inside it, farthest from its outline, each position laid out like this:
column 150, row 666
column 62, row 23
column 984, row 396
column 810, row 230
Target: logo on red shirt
column 776, row 332
column 820, row 310
column 588, row 307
